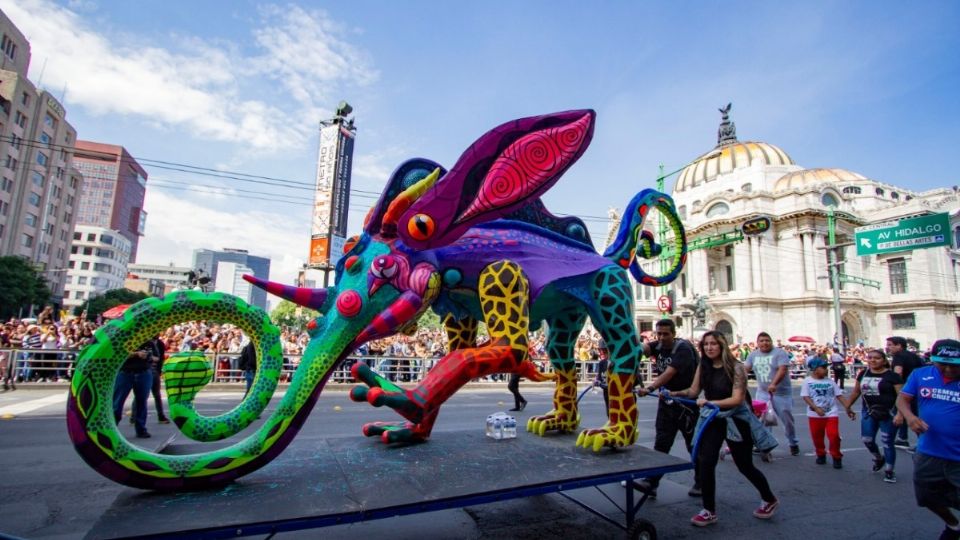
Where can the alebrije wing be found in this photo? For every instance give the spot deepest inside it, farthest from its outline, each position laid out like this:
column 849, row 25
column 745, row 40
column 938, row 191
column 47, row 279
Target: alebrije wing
column 503, row 170
column 407, row 174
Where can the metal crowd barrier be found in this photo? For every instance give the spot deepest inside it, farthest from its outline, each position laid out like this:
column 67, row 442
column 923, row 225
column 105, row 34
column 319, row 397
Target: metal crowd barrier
column 55, row 365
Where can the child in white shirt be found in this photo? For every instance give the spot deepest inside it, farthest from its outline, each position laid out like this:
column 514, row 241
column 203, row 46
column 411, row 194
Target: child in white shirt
column 822, row 396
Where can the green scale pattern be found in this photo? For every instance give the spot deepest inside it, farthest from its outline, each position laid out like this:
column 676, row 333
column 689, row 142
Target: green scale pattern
column 185, row 374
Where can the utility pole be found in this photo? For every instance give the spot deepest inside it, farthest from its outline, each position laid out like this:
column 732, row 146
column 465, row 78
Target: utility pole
column 834, row 265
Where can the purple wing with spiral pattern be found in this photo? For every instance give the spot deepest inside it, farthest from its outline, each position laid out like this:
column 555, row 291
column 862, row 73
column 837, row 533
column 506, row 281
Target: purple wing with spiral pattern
column 506, row 168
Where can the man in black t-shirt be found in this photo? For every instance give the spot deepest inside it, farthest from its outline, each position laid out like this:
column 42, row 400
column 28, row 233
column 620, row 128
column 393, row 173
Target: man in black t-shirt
column 903, row 362
column 675, row 362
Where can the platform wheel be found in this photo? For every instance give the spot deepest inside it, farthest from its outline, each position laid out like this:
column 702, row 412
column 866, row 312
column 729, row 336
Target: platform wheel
column 642, row 530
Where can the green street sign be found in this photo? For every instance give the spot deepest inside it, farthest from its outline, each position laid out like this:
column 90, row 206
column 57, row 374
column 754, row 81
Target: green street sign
column 903, row 235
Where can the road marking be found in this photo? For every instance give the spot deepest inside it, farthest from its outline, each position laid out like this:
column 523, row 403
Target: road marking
column 33, row 404
column 844, row 450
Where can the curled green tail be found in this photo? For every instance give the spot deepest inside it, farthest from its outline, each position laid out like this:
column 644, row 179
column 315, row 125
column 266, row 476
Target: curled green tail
column 90, row 419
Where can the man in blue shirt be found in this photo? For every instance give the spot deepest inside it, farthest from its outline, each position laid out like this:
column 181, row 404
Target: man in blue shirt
column 936, row 472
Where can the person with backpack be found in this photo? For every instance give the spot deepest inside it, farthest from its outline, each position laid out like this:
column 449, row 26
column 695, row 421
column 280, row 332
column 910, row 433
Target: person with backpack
column 675, row 363
column 903, row 362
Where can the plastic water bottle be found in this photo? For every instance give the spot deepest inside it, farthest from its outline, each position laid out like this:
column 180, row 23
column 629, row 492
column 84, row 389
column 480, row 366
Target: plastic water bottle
column 489, row 429
column 510, row 428
column 498, row 428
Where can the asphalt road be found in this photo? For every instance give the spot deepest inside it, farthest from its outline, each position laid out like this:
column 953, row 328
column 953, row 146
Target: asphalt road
column 47, row 492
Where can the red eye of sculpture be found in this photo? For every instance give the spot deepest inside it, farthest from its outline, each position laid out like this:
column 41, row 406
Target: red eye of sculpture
column 384, row 267
column 421, row 226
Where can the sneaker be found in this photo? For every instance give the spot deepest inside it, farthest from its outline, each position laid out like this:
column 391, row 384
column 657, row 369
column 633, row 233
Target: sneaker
column 766, row 457
column 889, row 477
column 910, row 450
column 878, row 463
column 902, row 443
column 695, row 491
column 766, row 510
column 837, row 463
column 163, row 421
column 646, row 487
column 821, row 460
column 794, row 450
column 704, row 518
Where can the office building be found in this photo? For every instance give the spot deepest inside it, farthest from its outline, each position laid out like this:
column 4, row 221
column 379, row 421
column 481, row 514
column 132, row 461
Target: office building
column 209, row 261
column 114, row 189
column 39, row 189
column 98, row 263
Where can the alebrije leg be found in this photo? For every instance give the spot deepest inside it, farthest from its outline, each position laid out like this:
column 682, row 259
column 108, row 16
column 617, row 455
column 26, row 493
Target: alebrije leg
column 504, row 299
column 612, row 316
column 564, row 329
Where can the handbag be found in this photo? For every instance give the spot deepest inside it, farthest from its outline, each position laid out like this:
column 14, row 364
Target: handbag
column 769, row 416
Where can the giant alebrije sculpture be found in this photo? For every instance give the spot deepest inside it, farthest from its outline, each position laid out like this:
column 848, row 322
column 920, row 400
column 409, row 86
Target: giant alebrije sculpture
column 474, row 244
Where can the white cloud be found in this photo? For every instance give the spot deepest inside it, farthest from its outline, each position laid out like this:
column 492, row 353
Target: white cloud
column 176, row 225
column 203, row 88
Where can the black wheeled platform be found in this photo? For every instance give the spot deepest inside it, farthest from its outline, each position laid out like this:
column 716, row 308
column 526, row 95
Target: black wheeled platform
column 352, row 479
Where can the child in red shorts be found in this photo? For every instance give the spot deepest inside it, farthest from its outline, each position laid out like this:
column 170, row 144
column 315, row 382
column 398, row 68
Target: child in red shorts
column 821, row 396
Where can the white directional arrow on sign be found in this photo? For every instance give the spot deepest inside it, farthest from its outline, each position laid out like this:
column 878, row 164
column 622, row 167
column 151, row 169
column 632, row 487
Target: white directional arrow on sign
column 865, row 242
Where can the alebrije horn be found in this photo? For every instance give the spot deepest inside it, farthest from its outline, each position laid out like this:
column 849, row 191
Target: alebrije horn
column 302, row 296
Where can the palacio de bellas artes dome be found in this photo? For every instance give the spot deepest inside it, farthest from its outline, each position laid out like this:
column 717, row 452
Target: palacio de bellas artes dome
column 758, row 227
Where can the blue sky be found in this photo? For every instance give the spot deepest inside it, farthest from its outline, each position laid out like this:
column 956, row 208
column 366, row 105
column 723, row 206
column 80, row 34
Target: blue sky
column 240, row 86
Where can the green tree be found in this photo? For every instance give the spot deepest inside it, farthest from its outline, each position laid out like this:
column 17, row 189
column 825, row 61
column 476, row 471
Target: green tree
column 429, row 320
column 112, row 298
column 291, row 315
column 20, row 286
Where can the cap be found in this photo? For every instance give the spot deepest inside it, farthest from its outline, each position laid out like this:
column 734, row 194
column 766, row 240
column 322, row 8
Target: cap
column 946, row 351
column 814, row 363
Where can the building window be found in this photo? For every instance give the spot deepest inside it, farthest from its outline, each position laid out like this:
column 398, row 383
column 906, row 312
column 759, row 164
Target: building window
column 683, row 283
column 76, row 236
column 9, row 47
column 84, row 266
column 91, row 237
column 828, row 199
column 44, row 138
column 25, row 99
column 746, row 188
column 880, row 192
column 82, row 280
column 78, row 295
column 33, row 199
column 4, row 208
column 956, row 236
column 7, row 185
column 38, row 179
column 20, row 119
column 898, row 275
column 42, row 158
column 903, row 321
column 852, row 190
column 49, row 121
column 15, row 141
column 717, row 210
column 26, row 240
column 731, row 284
column 682, row 211
column 894, row 195
column 88, row 251
column 11, row 163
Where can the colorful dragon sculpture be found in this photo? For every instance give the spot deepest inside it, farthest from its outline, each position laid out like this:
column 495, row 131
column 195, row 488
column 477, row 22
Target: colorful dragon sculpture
column 474, row 244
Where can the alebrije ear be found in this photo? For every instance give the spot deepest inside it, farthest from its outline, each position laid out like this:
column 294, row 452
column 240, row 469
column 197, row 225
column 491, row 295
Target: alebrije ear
column 403, row 201
column 501, row 171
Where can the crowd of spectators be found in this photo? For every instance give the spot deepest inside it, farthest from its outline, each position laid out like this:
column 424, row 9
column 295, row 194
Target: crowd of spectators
column 400, row 356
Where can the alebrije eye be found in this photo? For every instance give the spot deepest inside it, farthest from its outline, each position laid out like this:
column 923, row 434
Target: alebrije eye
column 384, row 267
column 421, row 227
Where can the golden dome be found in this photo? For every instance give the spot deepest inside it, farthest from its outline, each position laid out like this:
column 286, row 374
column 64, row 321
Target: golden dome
column 727, row 158
column 809, row 177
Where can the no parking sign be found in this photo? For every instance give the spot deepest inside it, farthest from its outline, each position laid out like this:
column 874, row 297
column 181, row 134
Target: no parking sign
column 664, row 304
